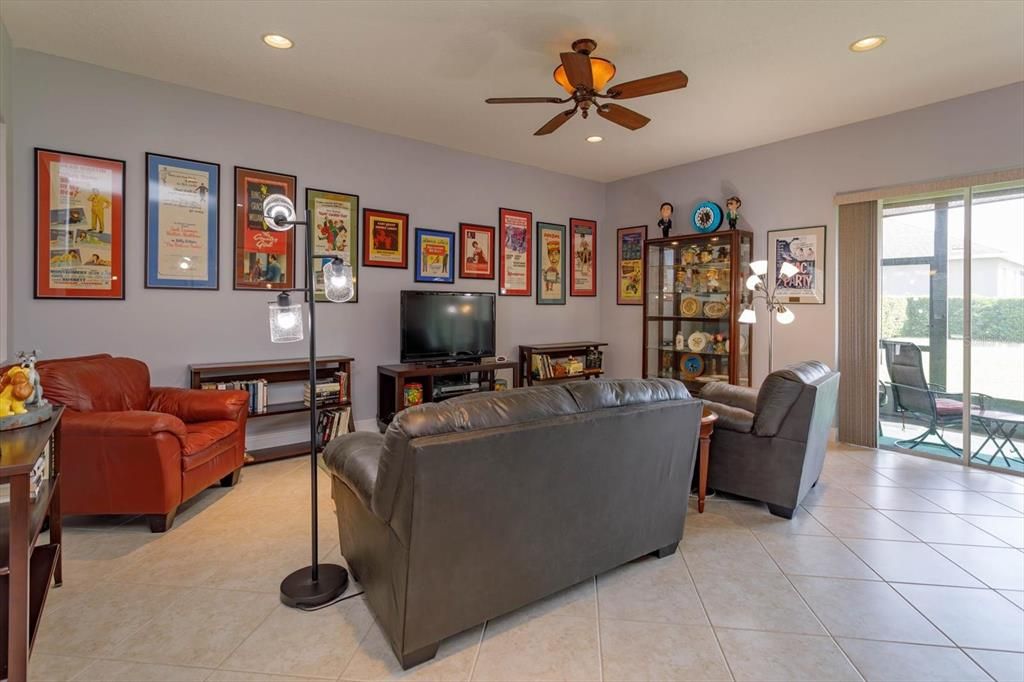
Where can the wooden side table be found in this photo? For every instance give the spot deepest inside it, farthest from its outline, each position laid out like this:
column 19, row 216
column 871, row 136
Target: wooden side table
column 707, row 427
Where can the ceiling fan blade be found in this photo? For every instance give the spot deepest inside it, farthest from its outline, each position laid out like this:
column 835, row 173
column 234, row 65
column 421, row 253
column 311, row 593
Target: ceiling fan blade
column 524, row 100
column 651, row 85
column 553, row 125
column 627, row 118
column 577, row 70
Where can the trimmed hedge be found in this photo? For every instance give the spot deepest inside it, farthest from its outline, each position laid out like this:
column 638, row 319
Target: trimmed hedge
column 992, row 319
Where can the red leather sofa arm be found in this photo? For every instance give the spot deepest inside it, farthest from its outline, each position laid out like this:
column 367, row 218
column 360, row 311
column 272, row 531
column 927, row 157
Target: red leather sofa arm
column 196, row 405
column 138, row 423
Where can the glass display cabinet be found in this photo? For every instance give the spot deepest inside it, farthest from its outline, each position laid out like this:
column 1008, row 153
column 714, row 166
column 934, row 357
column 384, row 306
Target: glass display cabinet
column 694, row 292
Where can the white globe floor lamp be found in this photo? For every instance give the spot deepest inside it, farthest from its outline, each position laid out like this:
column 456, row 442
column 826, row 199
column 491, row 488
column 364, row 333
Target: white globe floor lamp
column 758, row 284
column 316, row 584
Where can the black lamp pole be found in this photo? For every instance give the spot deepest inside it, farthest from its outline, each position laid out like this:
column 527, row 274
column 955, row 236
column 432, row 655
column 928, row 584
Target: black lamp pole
column 316, row 584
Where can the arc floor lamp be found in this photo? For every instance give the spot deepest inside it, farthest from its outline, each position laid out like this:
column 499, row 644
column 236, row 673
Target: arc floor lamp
column 316, row 584
column 758, row 284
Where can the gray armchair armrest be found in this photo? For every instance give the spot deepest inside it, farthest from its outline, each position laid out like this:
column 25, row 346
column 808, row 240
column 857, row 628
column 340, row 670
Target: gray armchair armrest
column 355, row 459
column 731, row 418
column 742, row 397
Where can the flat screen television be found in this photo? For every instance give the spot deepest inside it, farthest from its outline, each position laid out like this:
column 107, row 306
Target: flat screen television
column 446, row 326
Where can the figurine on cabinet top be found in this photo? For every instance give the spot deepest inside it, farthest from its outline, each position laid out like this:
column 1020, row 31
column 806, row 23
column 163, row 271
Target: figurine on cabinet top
column 732, row 211
column 665, row 222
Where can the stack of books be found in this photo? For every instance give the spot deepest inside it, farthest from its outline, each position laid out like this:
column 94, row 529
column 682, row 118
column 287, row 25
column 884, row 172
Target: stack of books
column 40, row 474
column 328, row 391
column 546, row 368
column 331, row 424
column 259, row 392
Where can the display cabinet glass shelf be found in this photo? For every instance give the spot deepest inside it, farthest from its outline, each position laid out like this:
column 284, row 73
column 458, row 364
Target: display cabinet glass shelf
column 693, row 294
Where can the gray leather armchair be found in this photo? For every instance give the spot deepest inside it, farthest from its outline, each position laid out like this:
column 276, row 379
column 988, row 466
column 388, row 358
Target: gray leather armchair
column 769, row 444
column 471, row 508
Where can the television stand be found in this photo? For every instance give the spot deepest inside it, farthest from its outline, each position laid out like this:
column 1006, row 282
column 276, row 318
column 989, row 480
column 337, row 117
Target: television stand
column 392, row 380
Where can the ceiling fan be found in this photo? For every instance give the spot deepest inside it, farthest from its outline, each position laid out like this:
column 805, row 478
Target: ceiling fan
column 583, row 76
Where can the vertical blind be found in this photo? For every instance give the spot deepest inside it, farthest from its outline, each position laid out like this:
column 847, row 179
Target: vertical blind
column 858, row 322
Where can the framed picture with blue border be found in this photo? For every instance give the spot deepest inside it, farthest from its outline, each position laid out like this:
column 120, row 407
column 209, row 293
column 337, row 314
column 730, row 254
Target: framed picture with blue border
column 435, row 256
column 182, row 223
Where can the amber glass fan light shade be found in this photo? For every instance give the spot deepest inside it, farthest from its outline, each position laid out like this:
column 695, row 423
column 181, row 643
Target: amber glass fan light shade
column 602, row 70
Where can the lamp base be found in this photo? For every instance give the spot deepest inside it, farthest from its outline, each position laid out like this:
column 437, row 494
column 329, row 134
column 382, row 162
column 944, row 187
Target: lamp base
column 299, row 590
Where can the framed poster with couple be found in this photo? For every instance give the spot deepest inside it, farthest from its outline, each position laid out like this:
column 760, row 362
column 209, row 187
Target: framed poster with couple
column 550, row 264
column 79, row 226
column 182, row 223
column 476, row 251
column 385, row 239
column 583, row 257
column 803, row 247
column 264, row 258
column 335, row 219
column 514, row 278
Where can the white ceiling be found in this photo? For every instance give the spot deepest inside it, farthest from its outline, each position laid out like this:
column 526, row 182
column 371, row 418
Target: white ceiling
column 759, row 71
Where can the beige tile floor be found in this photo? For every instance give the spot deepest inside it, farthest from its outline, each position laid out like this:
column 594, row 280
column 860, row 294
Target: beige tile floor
column 896, row 568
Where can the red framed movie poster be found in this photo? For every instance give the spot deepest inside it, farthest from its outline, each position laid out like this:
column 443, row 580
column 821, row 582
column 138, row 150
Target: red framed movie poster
column 582, row 257
column 476, row 251
column 385, row 239
column 514, row 239
column 79, row 226
column 264, row 258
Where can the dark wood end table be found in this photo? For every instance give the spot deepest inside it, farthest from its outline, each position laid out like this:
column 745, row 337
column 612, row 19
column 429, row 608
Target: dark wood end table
column 707, row 427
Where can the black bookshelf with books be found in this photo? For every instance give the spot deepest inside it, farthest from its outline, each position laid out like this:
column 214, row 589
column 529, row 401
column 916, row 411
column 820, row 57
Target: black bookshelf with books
column 334, row 400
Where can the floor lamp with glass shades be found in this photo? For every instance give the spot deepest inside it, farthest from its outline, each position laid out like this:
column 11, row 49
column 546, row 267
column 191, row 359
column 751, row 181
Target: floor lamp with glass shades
column 758, row 284
column 317, row 584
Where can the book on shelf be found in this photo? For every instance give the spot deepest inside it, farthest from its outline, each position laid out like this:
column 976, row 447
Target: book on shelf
column 40, row 474
column 546, row 368
column 258, row 389
column 331, row 423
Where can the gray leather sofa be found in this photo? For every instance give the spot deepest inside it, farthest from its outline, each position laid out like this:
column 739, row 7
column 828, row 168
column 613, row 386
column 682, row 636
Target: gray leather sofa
column 769, row 444
column 473, row 507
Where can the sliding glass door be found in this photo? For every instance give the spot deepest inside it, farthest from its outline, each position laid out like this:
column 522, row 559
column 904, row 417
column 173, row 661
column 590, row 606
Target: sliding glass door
column 952, row 375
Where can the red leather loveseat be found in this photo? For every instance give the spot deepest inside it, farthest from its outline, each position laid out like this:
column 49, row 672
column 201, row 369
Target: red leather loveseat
column 129, row 448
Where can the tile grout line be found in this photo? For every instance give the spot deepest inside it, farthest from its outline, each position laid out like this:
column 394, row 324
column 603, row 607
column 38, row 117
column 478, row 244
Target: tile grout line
column 714, row 633
column 808, row 606
column 479, row 646
column 597, row 611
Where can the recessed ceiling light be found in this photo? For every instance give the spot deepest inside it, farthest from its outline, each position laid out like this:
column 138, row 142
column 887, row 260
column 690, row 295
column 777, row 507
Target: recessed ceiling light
column 594, row 138
column 867, row 44
column 278, row 41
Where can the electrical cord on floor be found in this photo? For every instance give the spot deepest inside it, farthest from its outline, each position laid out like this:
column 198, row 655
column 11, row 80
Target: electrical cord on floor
column 340, row 599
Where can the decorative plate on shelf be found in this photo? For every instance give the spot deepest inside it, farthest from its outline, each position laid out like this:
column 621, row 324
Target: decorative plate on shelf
column 697, row 341
column 715, row 309
column 707, row 216
column 689, row 307
column 691, row 366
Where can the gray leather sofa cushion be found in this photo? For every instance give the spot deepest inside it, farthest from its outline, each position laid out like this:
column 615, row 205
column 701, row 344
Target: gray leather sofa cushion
column 355, row 459
column 780, row 391
column 729, row 417
column 598, row 394
column 743, row 397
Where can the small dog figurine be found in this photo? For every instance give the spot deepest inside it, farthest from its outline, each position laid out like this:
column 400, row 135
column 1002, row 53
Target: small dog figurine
column 27, row 361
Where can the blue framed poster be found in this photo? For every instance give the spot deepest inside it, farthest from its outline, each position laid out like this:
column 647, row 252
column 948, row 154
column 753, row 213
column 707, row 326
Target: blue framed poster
column 182, row 223
column 435, row 251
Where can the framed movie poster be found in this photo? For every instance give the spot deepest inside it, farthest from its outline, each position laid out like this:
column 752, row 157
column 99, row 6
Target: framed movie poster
column 385, row 239
column 264, row 258
column 476, row 251
column 182, row 223
column 335, row 219
column 79, row 226
column 435, row 256
column 550, row 264
column 583, row 259
column 804, row 247
column 514, row 240
column 629, row 271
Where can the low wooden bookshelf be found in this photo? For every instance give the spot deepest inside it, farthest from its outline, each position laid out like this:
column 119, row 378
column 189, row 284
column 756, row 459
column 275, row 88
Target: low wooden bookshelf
column 278, row 372
column 557, row 351
column 27, row 569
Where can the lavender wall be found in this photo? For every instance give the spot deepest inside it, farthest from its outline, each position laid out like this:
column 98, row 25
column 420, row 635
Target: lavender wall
column 77, row 107
column 792, row 184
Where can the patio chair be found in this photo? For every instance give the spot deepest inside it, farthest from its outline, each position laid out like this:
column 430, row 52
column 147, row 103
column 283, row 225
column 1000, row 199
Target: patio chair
column 913, row 395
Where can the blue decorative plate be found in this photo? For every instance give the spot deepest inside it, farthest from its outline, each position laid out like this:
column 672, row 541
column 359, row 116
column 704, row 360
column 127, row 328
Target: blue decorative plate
column 692, row 366
column 707, row 216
